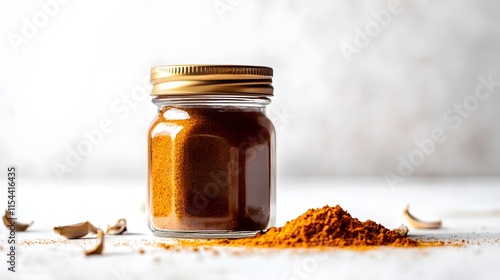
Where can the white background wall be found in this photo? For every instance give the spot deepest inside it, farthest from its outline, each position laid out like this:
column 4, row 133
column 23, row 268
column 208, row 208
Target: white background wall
column 64, row 68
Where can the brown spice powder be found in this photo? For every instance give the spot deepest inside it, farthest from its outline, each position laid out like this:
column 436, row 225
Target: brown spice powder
column 323, row 227
column 326, row 227
column 210, row 169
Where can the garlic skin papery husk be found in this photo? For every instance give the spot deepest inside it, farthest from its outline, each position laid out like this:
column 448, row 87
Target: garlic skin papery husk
column 402, row 230
column 7, row 219
column 419, row 224
column 74, row 231
column 118, row 228
column 98, row 248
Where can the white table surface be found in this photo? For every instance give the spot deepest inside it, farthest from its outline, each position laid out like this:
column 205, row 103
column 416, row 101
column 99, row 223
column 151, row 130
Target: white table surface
column 469, row 208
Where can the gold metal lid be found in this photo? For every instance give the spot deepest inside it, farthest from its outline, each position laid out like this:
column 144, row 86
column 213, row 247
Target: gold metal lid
column 193, row 79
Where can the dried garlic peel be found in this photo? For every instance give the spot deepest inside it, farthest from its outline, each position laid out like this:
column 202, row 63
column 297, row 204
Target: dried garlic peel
column 76, row 230
column 402, row 230
column 416, row 223
column 97, row 250
column 19, row 226
column 118, row 228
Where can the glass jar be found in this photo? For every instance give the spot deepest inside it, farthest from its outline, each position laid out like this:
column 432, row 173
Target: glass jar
column 211, row 152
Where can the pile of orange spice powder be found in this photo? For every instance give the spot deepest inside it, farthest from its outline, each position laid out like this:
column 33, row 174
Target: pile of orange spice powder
column 322, row 227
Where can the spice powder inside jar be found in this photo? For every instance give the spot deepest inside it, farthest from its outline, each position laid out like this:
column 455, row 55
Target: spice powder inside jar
column 211, row 152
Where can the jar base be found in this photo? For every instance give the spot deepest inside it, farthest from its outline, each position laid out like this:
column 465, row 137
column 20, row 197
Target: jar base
column 203, row 234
